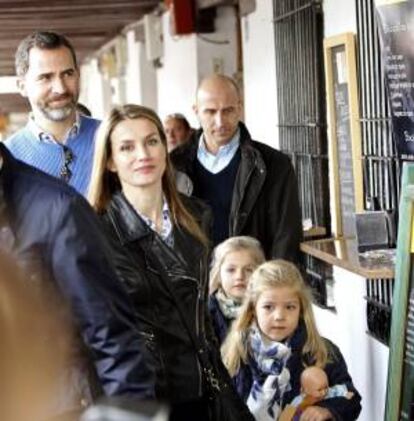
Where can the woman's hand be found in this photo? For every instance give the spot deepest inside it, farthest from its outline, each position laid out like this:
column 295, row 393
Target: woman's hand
column 316, row 413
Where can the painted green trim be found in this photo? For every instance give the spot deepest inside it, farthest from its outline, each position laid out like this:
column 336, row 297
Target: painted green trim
column 400, row 296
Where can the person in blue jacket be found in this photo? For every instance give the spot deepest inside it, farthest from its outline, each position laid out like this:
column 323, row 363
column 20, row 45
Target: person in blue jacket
column 55, row 236
column 274, row 339
column 234, row 260
column 57, row 139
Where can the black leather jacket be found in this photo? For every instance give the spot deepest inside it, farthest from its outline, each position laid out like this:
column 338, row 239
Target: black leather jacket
column 265, row 202
column 151, row 270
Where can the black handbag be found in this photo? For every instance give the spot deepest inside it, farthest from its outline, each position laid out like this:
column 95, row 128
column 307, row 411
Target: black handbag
column 223, row 401
column 224, row 404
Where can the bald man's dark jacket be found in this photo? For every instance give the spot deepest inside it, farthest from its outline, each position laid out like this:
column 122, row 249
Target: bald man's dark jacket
column 265, row 202
column 58, row 242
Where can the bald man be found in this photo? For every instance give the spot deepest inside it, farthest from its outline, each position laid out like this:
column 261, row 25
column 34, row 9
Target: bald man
column 251, row 187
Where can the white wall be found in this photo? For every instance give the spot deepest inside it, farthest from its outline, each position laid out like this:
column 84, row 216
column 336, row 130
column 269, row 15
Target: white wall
column 178, row 77
column 95, row 90
column 366, row 357
column 141, row 80
column 187, row 59
column 339, row 17
column 133, row 69
column 259, row 73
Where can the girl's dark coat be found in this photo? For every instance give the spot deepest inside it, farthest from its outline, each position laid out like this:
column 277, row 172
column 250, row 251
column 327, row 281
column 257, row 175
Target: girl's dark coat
column 220, row 323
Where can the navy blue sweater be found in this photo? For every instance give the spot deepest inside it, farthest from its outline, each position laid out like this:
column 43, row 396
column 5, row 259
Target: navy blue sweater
column 220, row 323
column 50, row 157
column 217, row 191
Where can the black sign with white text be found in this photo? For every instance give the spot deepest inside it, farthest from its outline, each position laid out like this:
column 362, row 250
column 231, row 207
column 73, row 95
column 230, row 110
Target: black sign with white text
column 396, row 29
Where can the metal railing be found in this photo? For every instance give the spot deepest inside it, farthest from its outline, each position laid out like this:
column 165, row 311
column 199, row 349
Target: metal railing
column 298, row 29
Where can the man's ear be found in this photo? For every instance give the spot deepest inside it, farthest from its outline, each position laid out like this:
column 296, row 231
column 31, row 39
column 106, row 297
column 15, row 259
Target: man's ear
column 195, row 109
column 241, row 108
column 21, row 86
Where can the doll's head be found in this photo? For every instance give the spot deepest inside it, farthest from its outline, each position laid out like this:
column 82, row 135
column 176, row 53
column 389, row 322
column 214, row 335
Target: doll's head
column 234, row 260
column 314, row 382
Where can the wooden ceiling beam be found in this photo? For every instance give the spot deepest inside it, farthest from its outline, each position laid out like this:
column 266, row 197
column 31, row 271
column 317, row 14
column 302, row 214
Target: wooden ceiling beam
column 89, row 24
column 42, row 6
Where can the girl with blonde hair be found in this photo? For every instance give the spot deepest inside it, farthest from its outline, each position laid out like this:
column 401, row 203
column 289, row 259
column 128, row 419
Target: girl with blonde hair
column 274, row 339
column 234, row 260
column 160, row 252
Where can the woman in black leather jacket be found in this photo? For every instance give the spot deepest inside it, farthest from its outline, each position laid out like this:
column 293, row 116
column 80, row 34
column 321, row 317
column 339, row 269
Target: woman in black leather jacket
column 160, row 253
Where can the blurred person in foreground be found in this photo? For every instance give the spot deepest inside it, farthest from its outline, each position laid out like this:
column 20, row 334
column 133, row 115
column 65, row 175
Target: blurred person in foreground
column 30, row 365
column 56, row 239
column 160, row 252
column 177, row 129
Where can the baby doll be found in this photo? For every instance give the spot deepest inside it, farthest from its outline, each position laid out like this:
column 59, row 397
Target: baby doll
column 314, row 388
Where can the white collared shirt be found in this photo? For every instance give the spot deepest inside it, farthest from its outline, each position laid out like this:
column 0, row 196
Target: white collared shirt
column 43, row 136
column 166, row 228
column 216, row 163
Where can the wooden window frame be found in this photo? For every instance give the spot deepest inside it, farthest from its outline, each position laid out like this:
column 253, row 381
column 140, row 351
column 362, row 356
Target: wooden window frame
column 348, row 41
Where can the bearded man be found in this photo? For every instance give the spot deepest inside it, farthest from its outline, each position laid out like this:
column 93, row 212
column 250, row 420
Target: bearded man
column 57, row 138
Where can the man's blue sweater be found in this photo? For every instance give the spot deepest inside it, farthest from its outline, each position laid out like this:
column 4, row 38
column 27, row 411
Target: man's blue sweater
column 50, row 157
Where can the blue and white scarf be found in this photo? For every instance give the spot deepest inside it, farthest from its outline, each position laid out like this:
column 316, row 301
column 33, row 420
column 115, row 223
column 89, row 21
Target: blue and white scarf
column 271, row 378
column 230, row 307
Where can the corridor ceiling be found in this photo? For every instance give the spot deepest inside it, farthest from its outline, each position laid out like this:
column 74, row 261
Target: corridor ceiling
column 89, row 24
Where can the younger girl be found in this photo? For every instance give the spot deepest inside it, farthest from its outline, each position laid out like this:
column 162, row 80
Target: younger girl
column 274, row 339
column 234, row 260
